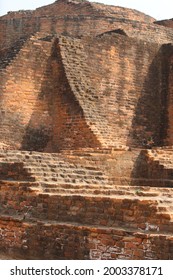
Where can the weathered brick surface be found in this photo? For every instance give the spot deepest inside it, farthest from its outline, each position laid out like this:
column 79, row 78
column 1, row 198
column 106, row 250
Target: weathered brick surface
column 55, row 168
column 139, row 210
column 78, row 7
column 63, row 241
column 34, row 82
column 101, row 209
column 68, row 102
column 123, row 103
column 85, row 94
column 116, row 222
column 78, row 19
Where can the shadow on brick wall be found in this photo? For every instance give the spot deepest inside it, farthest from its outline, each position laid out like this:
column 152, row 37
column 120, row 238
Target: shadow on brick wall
column 8, row 55
column 57, row 121
column 150, row 122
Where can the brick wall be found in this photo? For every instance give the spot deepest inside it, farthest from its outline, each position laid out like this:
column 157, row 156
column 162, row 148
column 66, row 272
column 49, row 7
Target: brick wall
column 168, row 129
column 84, row 26
column 62, row 241
column 78, row 19
column 123, row 80
column 38, row 109
column 92, row 92
column 116, row 222
column 137, row 213
column 73, row 98
column 11, row 30
column 15, row 28
column 21, row 85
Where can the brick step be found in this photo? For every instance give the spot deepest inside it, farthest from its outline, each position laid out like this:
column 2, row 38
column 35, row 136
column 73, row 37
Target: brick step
column 111, row 194
column 163, row 194
column 34, row 162
column 73, row 182
column 72, row 176
column 21, row 183
column 119, row 189
column 147, row 189
column 34, row 159
column 76, row 186
column 170, row 195
column 67, row 175
column 40, row 164
column 85, row 226
column 94, row 151
column 70, row 170
column 164, row 158
column 100, row 191
column 63, row 178
column 57, row 166
column 78, row 169
column 76, row 162
column 119, row 228
column 115, row 209
column 159, row 193
column 82, row 152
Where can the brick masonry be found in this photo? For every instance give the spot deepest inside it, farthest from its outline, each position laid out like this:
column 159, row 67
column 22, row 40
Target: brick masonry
column 86, row 205
column 134, row 105
column 63, row 241
column 80, row 19
column 86, row 133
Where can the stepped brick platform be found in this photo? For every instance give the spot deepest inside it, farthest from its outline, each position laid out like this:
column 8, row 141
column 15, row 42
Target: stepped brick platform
column 86, row 134
column 74, row 196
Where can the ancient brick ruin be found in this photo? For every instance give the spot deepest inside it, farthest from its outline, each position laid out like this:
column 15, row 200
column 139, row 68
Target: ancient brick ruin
column 86, row 133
